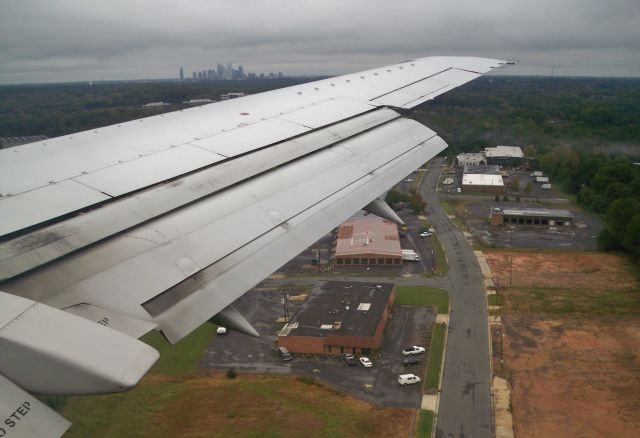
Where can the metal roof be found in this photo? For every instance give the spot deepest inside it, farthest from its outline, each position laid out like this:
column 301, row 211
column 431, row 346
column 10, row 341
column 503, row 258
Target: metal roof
column 537, row 212
column 504, row 151
column 368, row 235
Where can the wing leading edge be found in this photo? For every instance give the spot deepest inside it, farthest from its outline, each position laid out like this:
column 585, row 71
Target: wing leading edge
column 179, row 215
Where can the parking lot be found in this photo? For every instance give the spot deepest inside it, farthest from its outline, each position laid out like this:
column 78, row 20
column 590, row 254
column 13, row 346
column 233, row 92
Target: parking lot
column 409, row 325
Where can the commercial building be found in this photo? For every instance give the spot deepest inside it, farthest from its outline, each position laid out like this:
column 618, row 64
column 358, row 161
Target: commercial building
column 368, row 240
column 156, row 106
column 231, row 96
column 530, row 216
column 474, row 159
column 196, row 102
column 480, row 182
column 502, row 155
column 339, row 317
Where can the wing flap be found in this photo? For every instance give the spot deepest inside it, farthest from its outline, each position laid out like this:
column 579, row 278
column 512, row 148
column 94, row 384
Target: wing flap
column 183, row 308
column 60, row 353
column 24, row 416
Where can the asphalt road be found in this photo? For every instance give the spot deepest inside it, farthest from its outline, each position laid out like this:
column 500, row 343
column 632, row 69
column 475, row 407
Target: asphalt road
column 465, row 401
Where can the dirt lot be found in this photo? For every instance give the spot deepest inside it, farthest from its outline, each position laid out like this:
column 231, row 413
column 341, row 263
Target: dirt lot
column 571, row 343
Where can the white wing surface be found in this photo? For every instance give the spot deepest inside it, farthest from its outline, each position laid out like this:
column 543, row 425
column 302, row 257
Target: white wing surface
column 163, row 222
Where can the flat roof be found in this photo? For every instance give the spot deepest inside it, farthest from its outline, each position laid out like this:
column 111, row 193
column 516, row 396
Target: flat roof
column 537, row 212
column 368, row 235
column 340, row 308
column 482, row 179
column 504, row 151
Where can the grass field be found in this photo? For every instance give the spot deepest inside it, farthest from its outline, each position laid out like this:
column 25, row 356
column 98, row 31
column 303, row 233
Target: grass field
column 423, row 296
column 183, row 357
column 425, row 424
column 248, row 406
column 434, row 364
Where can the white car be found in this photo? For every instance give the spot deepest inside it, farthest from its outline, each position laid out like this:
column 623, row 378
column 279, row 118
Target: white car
column 408, row 180
column 412, row 350
column 365, row 362
column 221, row 330
column 425, row 234
column 408, row 379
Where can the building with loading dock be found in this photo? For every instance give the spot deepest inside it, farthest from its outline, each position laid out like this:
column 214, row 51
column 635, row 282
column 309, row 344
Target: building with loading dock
column 339, row 317
column 530, row 216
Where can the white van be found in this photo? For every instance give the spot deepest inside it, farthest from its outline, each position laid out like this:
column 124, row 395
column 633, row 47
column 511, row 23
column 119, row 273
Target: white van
column 408, row 379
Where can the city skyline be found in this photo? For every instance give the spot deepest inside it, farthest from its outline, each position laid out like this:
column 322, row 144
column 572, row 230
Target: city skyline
column 64, row 41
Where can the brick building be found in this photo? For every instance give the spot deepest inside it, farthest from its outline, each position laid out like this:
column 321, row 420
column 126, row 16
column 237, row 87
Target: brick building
column 340, row 317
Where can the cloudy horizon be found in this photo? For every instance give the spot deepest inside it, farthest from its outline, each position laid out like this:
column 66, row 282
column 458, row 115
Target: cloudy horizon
column 62, row 40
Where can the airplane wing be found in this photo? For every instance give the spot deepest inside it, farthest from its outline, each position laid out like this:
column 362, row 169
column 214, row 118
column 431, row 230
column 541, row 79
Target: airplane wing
column 161, row 223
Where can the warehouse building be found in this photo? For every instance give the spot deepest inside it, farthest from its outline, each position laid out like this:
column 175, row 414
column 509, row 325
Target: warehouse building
column 339, row 317
column 530, row 216
column 504, row 155
column 480, row 182
column 368, row 240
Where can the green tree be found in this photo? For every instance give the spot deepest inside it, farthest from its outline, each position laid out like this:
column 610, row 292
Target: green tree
column 515, row 184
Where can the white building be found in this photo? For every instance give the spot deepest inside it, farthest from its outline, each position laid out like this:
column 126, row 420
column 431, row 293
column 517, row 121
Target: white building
column 474, row 159
column 482, row 182
column 503, row 154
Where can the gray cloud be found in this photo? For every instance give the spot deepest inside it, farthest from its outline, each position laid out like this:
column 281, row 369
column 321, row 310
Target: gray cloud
column 63, row 40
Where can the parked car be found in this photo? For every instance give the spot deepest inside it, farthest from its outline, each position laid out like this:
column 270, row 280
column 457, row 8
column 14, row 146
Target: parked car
column 221, row 330
column 408, row 180
column 408, row 379
column 365, row 362
column 411, row 361
column 349, row 359
column 284, row 354
column 412, row 350
column 425, row 234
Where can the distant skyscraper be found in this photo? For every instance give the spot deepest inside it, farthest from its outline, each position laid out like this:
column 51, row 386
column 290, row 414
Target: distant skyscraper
column 220, row 70
column 228, row 74
column 181, row 74
column 240, row 72
column 195, row 75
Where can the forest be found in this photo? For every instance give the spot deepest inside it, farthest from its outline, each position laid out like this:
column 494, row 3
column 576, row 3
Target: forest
column 583, row 132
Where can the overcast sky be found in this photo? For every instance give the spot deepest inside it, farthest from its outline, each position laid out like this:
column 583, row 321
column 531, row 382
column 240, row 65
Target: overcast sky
column 60, row 40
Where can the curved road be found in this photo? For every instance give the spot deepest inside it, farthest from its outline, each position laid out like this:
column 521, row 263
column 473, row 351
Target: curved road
column 465, row 401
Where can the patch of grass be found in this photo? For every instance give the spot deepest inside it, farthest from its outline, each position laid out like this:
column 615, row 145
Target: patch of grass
column 183, row 357
column 125, row 414
column 423, row 296
column 442, row 267
column 449, row 205
column 425, row 424
column 434, row 363
column 249, row 406
column 494, row 300
column 561, row 301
